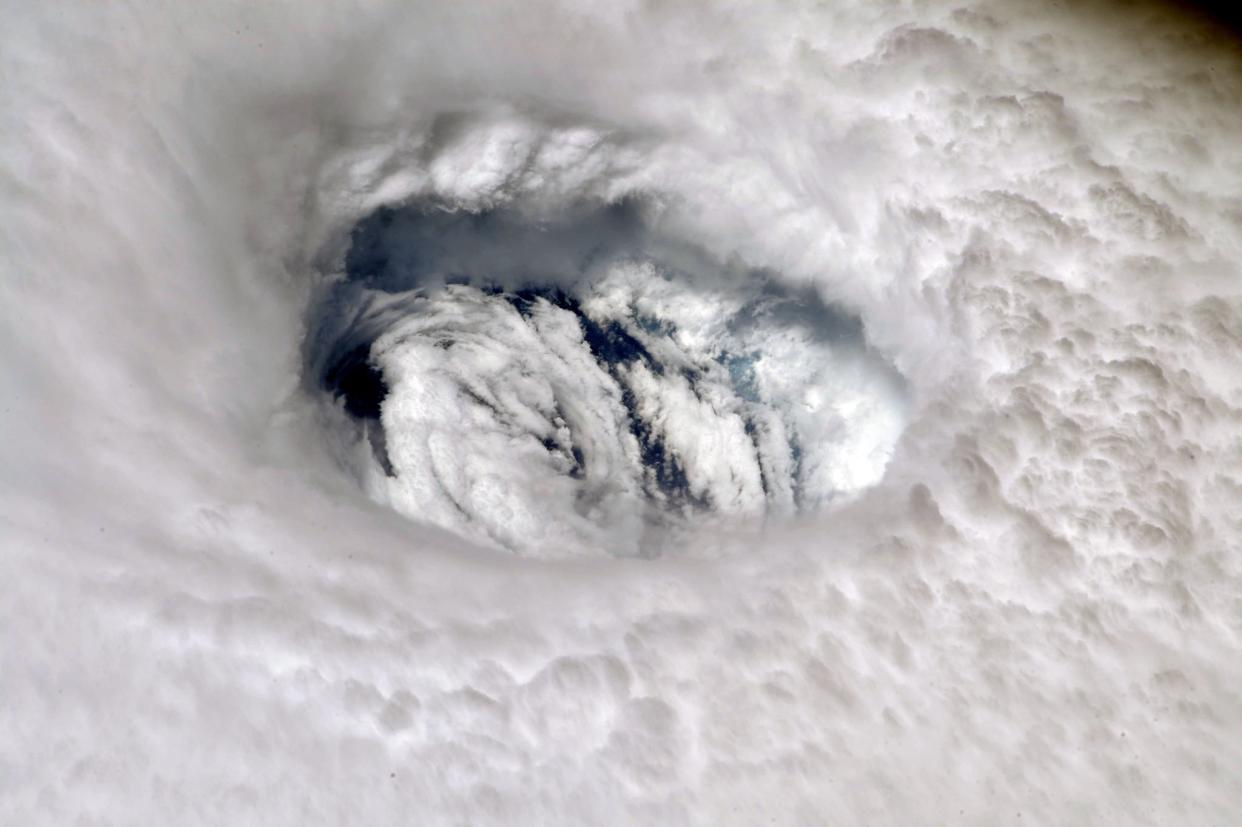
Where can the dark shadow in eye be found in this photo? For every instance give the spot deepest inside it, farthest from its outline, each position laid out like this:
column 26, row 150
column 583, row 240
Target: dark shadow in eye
column 358, row 382
column 361, row 387
column 398, row 249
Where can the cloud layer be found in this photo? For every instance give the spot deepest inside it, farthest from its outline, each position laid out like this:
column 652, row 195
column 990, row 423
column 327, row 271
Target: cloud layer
column 1031, row 210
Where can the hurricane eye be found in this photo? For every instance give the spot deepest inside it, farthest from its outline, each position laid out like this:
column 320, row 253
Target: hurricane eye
column 585, row 382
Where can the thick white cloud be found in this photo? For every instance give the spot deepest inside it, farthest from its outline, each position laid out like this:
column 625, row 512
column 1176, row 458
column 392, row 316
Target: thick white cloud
column 485, row 410
column 1034, row 612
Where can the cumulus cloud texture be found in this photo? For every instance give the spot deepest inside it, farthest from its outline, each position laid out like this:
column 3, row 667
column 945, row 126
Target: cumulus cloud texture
column 220, row 608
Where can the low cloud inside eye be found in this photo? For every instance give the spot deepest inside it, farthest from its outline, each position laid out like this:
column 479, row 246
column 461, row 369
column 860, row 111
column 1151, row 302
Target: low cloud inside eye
column 581, row 382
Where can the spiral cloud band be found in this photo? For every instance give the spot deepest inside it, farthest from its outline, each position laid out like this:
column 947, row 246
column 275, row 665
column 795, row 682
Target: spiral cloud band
column 620, row 413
